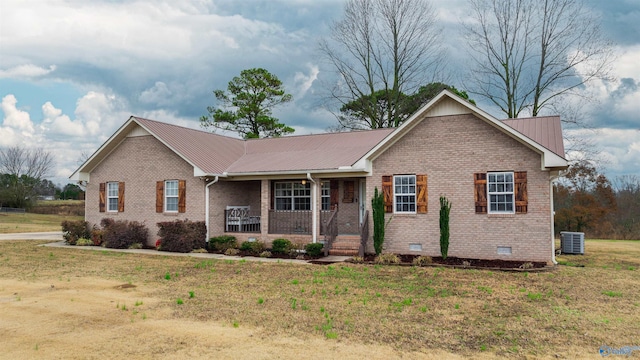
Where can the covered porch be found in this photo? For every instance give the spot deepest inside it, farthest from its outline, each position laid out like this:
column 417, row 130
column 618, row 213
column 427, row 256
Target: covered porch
column 303, row 210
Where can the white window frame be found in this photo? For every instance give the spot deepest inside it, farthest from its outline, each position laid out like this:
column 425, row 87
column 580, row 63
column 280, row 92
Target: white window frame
column 111, row 196
column 405, row 192
column 291, row 190
column 501, row 187
column 168, row 196
column 325, row 196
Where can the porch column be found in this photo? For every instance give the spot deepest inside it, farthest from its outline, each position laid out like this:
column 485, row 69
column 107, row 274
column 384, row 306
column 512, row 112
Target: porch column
column 265, row 203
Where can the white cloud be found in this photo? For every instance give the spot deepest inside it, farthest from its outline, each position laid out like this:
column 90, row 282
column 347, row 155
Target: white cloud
column 303, row 82
column 620, row 148
column 61, row 124
column 14, row 117
column 26, row 71
column 158, row 94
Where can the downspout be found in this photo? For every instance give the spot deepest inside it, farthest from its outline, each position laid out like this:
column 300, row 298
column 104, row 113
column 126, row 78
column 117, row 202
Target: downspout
column 206, row 201
column 314, row 209
column 553, row 230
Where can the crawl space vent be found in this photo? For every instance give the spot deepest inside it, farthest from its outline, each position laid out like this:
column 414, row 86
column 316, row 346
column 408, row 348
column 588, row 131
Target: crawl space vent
column 415, row 247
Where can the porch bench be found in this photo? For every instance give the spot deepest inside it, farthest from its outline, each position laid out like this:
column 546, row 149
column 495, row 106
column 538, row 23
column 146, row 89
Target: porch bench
column 237, row 219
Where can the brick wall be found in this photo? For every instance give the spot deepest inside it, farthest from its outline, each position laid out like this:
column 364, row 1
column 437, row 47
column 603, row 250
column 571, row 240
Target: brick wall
column 450, row 149
column 140, row 162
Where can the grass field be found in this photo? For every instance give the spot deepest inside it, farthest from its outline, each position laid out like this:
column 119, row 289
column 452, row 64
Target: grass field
column 137, row 306
column 20, row 223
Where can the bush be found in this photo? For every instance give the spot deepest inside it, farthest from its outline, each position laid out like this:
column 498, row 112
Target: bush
column 281, row 246
column 314, row 249
column 96, row 235
column 422, row 260
column 231, row 252
column 182, row 235
column 121, row 234
column 222, row 243
column 377, row 206
column 254, row 247
column 84, row 242
column 74, row 230
column 388, row 258
column 265, row 254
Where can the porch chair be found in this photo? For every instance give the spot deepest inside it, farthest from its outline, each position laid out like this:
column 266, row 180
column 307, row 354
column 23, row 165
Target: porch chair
column 236, row 217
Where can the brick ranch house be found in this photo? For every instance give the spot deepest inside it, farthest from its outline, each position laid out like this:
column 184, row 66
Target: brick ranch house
column 318, row 188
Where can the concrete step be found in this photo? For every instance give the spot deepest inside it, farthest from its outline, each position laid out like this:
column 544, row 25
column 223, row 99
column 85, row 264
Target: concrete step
column 343, row 252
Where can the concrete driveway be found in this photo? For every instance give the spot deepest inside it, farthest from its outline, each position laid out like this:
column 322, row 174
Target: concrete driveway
column 54, row 235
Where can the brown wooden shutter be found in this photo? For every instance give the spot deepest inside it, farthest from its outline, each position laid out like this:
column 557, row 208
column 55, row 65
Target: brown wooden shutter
column 102, row 197
column 480, row 192
column 421, row 190
column 348, row 191
column 520, row 191
column 160, row 196
column 387, row 185
column 334, row 194
column 121, row 196
column 182, row 196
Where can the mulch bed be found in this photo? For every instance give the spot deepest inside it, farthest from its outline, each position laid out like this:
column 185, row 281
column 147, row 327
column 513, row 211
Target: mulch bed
column 470, row 263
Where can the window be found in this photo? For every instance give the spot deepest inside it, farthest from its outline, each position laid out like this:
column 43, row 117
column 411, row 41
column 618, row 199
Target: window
column 404, row 191
column 326, row 195
column 292, row 196
column 171, row 195
column 500, row 191
column 112, row 196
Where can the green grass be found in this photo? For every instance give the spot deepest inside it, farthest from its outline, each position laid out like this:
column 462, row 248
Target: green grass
column 20, row 223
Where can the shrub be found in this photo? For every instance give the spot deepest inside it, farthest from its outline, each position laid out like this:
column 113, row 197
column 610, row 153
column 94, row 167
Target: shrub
column 96, row 235
column 231, row 252
column 314, row 249
column 388, row 258
column 254, row 247
column 222, row 243
column 74, row 230
column 135, row 246
column 84, row 242
column 422, row 260
column 445, row 209
column 281, row 246
column 121, row 234
column 357, row 260
column 182, row 235
column 265, row 254
column 377, row 205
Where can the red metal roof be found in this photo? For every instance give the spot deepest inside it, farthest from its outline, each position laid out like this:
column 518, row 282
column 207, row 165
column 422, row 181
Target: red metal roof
column 545, row 130
column 307, row 152
column 211, row 153
column 217, row 154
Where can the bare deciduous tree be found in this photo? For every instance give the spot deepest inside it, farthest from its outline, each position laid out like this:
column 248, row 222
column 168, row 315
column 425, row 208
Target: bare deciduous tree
column 21, row 172
column 381, row 50
column 35, row 163
column 530, row 54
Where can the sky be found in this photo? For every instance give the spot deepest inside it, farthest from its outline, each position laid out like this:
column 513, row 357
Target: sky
column 73, row 71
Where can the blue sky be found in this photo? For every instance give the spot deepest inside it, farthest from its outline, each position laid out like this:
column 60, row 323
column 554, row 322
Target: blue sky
column 71, row 72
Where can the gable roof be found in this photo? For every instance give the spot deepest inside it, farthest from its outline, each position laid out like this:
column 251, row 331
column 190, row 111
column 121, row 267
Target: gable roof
column 347, row 152
column 448, row 103
column 545, row 130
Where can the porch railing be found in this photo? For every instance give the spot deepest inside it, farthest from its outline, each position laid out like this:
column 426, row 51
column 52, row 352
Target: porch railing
column 290, row 222
column 364, row 234
column 331, row 232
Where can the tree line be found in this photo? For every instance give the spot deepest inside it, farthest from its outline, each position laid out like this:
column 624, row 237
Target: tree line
column 586, row 201
column 23, row 174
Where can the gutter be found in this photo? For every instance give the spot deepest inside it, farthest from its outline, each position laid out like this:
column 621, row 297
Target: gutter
column 552, row 178
column 206, row 201
column 314, row 209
